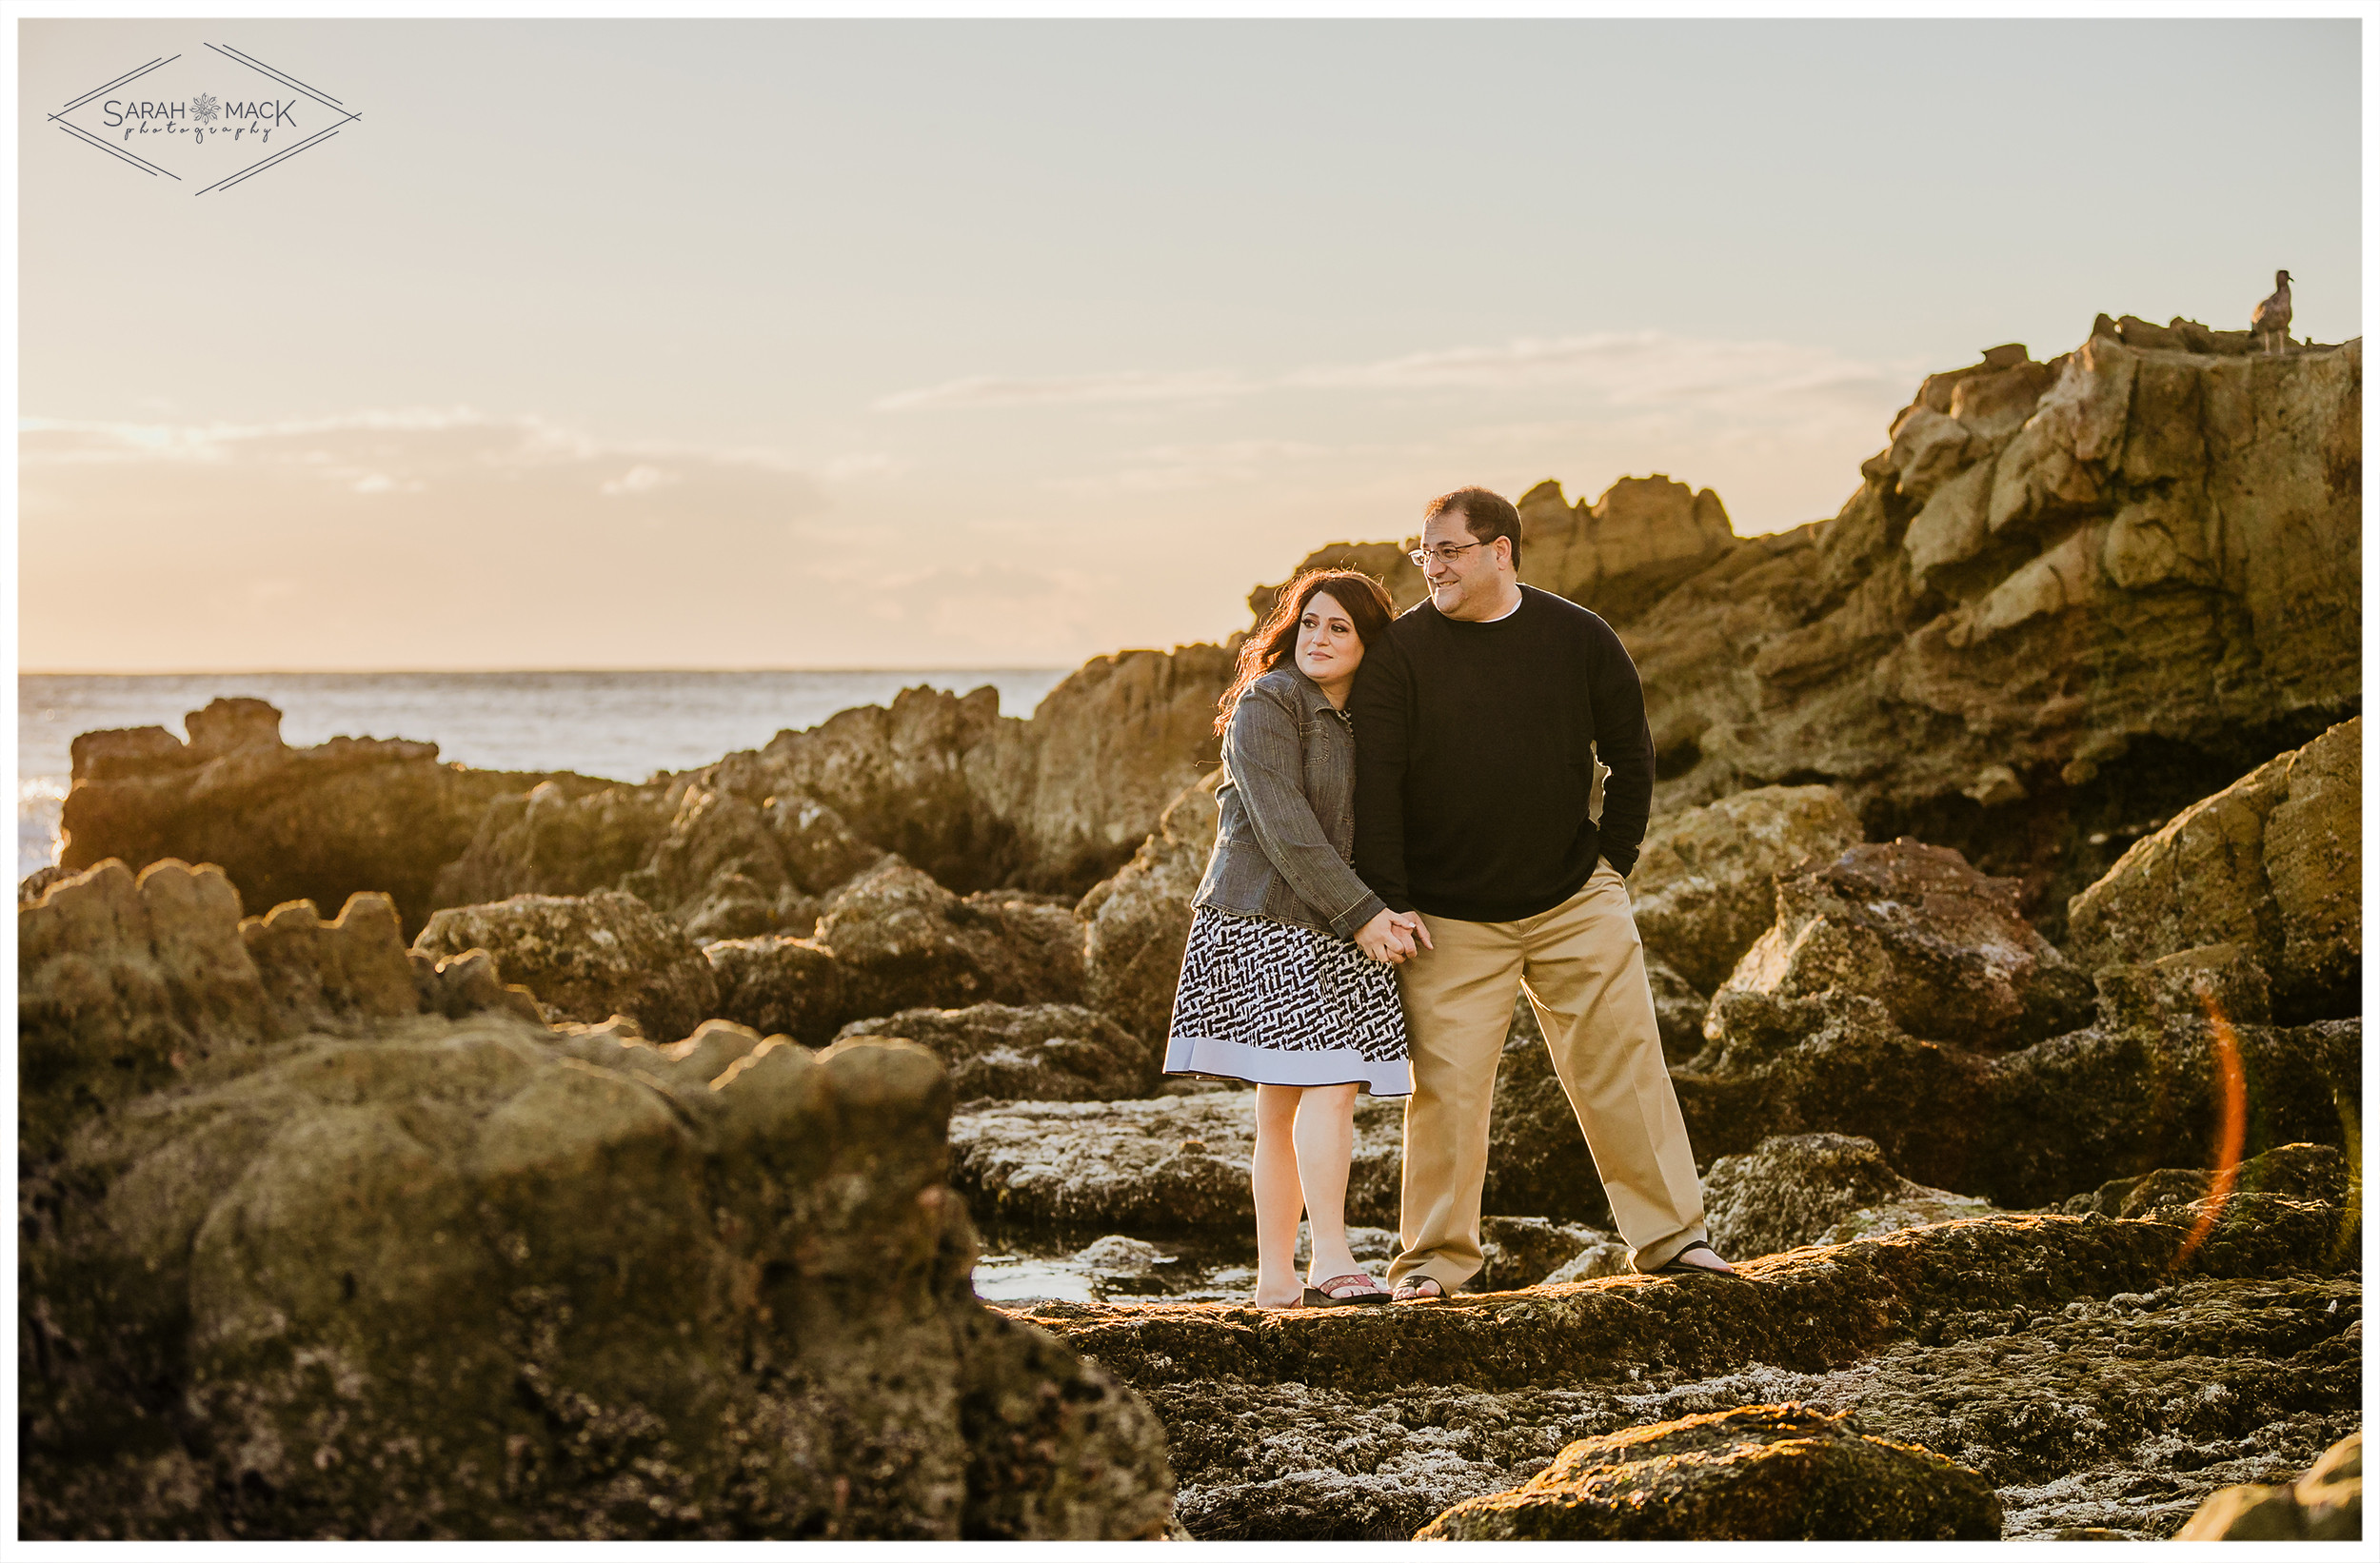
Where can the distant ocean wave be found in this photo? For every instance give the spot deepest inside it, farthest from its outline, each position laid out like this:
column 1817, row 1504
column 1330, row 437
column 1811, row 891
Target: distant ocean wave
column 622, row 725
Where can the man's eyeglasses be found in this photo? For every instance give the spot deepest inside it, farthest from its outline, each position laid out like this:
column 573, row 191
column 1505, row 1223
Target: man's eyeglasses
column 1445, row 554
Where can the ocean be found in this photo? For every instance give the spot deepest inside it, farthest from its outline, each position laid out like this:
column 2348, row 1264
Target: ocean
column 622, row 725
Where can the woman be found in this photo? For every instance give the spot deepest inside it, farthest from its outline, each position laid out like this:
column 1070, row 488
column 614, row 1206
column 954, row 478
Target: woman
column 1285, row 980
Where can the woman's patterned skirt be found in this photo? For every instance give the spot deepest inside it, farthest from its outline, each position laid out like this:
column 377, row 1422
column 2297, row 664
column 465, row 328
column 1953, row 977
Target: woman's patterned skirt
column 1281, row 1004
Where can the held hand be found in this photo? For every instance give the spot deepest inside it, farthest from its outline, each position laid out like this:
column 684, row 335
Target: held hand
column 1384, row 938
column 1415, row 927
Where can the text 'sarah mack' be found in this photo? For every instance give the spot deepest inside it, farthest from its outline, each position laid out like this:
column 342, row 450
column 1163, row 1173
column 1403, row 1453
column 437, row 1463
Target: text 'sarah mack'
column 142, row 117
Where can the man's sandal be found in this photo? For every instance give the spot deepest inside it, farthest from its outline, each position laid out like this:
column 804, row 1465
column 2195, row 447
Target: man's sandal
column 1677, row 1265
column 1409, row 1290
column 1321, row 1296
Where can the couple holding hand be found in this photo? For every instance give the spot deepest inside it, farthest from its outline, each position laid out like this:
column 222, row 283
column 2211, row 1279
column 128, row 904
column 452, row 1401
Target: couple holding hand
column 1405, row 841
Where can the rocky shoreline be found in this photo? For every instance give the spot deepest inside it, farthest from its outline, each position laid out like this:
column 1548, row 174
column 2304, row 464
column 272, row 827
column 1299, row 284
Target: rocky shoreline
column 615, row 1163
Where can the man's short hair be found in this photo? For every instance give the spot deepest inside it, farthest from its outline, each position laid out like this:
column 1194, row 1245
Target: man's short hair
column 1485, row 514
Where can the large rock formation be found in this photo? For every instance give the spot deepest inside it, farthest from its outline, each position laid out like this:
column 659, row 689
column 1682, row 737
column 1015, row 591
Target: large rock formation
column 2070, row 598
column 2272, row 865
column 1390, row 564
column 311, row 825
column 1616, row 556
column 723, row 852
column 1629, row 549
column 303, row 1256
column 2066, row 599
column 1055, row 803
column 1755, row 1473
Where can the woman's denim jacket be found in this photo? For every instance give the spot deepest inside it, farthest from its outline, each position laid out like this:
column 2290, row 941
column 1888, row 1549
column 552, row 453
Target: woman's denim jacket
column 1288, row 801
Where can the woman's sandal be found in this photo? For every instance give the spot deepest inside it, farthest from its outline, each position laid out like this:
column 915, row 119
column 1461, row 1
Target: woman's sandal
column 1319, row 1297
column 1677, row 1265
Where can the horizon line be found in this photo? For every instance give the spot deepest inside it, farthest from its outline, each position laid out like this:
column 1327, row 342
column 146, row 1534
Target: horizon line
column 512, row 672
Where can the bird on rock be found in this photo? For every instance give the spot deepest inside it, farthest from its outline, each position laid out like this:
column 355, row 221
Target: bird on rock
column 2270, row 319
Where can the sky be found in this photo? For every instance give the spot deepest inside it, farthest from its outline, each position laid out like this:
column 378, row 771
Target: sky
column 798, row 344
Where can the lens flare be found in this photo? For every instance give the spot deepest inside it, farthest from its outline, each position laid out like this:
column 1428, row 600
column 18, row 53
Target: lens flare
column 2233, row 1137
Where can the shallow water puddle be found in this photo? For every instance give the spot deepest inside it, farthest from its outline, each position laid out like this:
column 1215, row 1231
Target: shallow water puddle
column 1042, row 1266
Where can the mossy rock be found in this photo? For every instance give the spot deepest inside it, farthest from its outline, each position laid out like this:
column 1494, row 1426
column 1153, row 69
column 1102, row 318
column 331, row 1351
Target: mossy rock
column 1754, row 1474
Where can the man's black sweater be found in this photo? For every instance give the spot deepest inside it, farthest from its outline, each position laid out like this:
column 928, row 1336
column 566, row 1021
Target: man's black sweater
column 1473, row 771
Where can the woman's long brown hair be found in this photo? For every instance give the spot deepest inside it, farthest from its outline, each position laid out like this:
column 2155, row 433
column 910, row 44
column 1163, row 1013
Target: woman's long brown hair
column 1274, row 642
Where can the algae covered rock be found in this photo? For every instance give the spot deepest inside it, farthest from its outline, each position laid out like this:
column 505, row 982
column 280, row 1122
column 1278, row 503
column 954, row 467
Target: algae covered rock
column 127, row 984
column 1519, row 1251
column 1945, row 949
column 1024, row 1052
column 1790, row 1189
column 904, row 941
column 2308, row 1173
column 2022, row 1129
column 326, row 1262
column 780, row 986
column 1704, row 887
column 1755, row 1473
column 587, row 956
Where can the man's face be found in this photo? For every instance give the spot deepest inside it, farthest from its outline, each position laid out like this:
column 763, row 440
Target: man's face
column 1473, row 579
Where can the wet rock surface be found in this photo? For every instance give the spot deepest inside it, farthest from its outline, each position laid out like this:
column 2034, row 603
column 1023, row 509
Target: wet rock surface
column 1024, row 1052
column 1754, row 1474
column 319, row 1260
column 2092, row 1374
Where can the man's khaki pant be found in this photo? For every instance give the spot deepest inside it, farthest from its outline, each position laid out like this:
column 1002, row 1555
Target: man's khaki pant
column 1583, row 968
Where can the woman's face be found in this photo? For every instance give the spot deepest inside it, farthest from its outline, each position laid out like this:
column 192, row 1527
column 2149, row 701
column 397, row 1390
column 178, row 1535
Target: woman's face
column 1328, row 648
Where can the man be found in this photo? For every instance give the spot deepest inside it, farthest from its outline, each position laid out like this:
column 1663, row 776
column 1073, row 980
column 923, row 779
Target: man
column 1474, row 721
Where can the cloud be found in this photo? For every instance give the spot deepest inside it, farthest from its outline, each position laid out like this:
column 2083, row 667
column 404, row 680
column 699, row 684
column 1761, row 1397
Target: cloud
column 458, row 455
column 1006, row 610
column 1621, row 367
column 639, row 479
column 1177, row 468
column 1047, row 390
